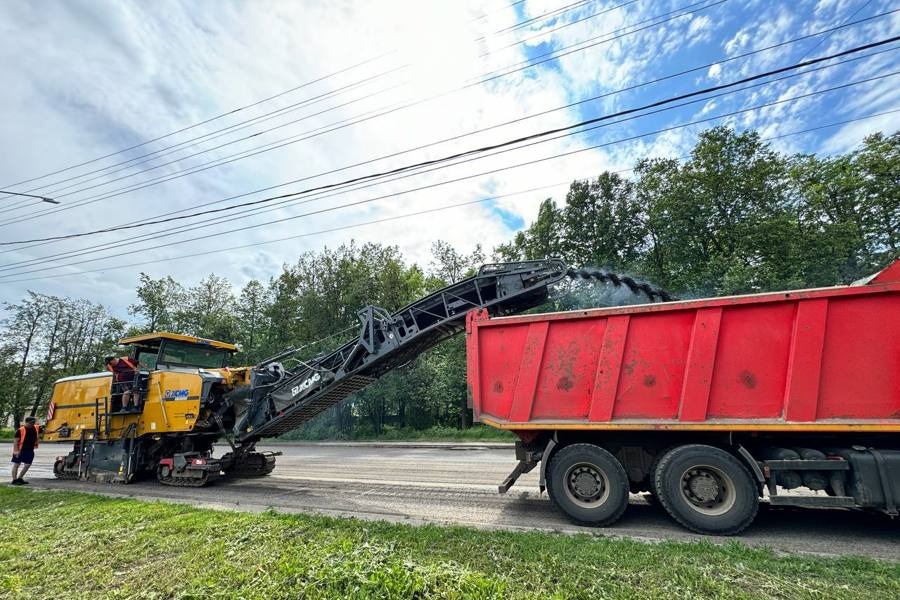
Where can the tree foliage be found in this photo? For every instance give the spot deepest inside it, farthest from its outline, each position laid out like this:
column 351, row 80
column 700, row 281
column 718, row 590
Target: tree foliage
column 45, row 338
column 735, row 216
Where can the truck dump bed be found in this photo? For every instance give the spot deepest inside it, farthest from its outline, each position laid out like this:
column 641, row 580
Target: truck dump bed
column 818, row 360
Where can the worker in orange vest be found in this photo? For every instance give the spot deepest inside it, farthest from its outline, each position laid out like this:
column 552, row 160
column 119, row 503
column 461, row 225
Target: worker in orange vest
column 25, row 442
column 124, row 370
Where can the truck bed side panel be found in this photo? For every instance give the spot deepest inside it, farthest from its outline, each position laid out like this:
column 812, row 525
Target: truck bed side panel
column 827, row 358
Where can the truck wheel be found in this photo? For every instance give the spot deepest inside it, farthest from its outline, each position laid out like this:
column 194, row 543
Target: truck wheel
column 706, row 490
column 588, row 484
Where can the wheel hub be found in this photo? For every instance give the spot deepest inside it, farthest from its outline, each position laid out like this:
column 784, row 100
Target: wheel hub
column 586, row 483
column 707, row 489
column 704, row 487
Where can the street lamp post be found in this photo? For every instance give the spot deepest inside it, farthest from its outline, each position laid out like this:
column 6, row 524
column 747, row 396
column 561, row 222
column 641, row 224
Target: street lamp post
column 41, row 198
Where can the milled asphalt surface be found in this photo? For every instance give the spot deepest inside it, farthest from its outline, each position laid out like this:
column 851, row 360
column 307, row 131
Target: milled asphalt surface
column 457, row 484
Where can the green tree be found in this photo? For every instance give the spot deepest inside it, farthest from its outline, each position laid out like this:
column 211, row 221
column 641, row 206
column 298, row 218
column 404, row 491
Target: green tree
column 21, row 331
column 158, row 302
column 250, row 315
column 209, row 310
column 601, row 223
column 448, row 265
column 716, row 223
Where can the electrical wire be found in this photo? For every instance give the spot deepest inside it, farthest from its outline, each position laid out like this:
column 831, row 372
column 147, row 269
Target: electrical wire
column 529, row 163
column 407, row 215
column 820, row 42
column 228, row 130
column 260, row 119
column 267, row 99
column 487, row 148
column 541, row 17
column 517, row 120
column 490, row 12
column 559, row 27
column 489, row 77
column 209, row 120
column 217, row 133
column 276, row 206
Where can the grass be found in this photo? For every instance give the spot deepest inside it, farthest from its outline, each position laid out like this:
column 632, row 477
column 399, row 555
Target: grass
column 476, row 433
column 6, row 433
column 74, row 545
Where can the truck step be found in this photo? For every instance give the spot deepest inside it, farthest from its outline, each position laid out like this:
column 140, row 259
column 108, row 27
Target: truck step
column 817, row 501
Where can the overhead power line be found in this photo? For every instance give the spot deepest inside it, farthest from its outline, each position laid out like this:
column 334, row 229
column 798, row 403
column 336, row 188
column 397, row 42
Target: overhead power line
column 209, row 120
column 106, row 195
column 280, row 94
column 398, row 217
column 241, row 125
column 496, row 10
column 559, row 27
column 482, row 149
column 544, row 58
column 295, row 200
column 275, row 206
column 546, row 15
column 821, row 41
column 143, row 159
column 149, row 156
column 467, row 177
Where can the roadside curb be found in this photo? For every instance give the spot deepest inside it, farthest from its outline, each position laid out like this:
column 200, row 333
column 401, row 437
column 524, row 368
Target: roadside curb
column 413, row 445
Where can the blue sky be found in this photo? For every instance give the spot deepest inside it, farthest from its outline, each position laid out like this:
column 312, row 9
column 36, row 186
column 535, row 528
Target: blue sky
column 87, row 78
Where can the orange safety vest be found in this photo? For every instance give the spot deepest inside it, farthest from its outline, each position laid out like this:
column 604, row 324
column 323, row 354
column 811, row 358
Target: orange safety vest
column 37, row 437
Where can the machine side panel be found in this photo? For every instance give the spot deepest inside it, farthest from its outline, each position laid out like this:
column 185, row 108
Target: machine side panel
column 172, row 403
column 74, row 402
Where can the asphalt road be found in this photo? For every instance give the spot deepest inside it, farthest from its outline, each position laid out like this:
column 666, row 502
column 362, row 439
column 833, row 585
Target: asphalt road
column 458, row 485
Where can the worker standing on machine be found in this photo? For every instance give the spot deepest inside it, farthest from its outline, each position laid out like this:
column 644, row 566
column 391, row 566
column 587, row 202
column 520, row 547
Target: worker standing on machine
column 124, row 371
column 25, row 442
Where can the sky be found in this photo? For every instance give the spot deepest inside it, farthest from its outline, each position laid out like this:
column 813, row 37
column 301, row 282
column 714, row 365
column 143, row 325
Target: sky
column 129, row 112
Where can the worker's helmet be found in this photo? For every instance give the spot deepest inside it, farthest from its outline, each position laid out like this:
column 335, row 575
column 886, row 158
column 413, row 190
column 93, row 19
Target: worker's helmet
column 30, row 419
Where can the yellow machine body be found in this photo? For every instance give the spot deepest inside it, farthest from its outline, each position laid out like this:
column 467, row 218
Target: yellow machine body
column 171, row 398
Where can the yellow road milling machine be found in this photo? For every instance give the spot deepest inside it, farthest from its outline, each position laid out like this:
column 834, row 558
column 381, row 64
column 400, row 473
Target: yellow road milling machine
column 175, row 415
column 189, row 398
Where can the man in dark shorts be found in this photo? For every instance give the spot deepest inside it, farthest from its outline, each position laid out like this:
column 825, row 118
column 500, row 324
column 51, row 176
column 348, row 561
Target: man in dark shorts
column 123, row 370
column 25, row 442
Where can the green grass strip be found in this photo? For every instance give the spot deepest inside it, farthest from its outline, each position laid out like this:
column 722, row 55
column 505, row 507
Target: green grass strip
column 74, row 545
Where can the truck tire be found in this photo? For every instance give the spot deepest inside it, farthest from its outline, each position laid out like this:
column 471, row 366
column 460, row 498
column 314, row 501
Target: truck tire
column 706, row 490
column 653, row 494
column 587, row 484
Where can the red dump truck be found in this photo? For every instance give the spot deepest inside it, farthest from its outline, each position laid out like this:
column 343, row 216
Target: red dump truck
column 708, row 405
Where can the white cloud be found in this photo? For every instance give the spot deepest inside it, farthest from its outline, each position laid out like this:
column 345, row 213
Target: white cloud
column 700, row 30
column 90, row 79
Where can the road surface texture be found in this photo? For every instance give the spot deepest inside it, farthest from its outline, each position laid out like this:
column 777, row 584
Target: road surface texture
column 457, row 484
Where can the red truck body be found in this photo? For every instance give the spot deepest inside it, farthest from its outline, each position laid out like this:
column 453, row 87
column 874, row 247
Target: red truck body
column 816, row 360
column 708, row 406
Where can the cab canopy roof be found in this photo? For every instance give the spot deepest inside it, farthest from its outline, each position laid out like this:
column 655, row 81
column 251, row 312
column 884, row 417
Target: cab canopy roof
column 156, row 338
